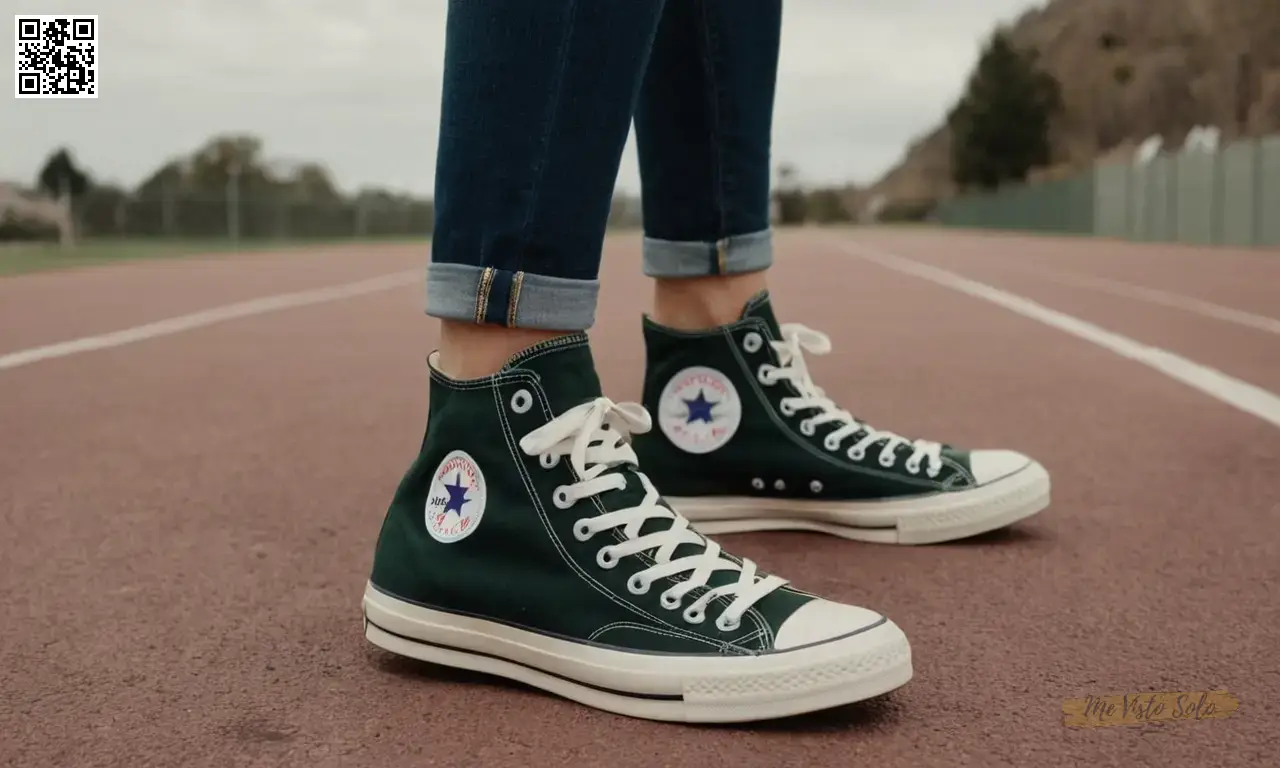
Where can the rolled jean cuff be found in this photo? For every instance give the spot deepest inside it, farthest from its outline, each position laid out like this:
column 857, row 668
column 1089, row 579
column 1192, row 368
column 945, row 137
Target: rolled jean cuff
column 491, row 296
column 731, row 255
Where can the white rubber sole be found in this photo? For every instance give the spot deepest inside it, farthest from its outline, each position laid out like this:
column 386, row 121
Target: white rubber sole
column 921, row 520
column 693, row 689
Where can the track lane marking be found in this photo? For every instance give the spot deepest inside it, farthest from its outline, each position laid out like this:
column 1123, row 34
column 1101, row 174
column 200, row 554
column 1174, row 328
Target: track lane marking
column 1239, row 394
column 207, row 317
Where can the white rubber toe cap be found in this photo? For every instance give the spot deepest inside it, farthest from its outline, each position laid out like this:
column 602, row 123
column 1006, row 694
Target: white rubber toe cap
column 820, row 620
column 990, row 466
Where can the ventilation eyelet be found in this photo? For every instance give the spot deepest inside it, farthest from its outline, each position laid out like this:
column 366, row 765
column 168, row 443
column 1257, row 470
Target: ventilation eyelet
column 752, row 342
column 779, row 485
column 815, row 486
column 521, row 401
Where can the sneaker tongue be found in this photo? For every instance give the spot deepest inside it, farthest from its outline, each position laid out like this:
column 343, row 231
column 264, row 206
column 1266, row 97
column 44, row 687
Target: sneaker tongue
column 566, row 369
column 760, row 307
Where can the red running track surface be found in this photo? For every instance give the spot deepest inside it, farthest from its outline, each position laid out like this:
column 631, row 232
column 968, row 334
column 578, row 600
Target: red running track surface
column 188, row 520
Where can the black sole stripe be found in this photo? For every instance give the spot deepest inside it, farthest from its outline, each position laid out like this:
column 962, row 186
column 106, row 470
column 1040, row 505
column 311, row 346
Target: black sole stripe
column 469, row 652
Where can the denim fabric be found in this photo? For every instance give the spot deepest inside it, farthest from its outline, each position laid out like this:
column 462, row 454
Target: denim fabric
column 538, row 95
column 704, row 125
column 538, row 98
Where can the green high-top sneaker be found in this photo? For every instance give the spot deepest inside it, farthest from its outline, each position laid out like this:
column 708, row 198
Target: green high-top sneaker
column 525, row 542
column 747, row 442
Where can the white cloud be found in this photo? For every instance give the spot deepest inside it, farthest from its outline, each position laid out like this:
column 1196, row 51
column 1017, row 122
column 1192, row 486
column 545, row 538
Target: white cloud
column 357, row 85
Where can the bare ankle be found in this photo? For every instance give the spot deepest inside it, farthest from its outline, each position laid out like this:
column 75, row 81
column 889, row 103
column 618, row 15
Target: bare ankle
column 699, row 303
column 470, row 351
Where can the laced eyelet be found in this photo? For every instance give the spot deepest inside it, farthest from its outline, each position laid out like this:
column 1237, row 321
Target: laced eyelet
column 779, row 485
column 787, row 408
column 548, row 460
column 752, row 342
column 830, row 443
column 560, row 497
column 856, row 453
column 807, row 429
column 757, row 483
column 887, row 459
column 694, row 617
column 582, row 530
column 606, row 559
column 913, row 466
column 727, row 626
column 521, row 401
column 934, row 470
column 762, row 374
column 669, row 601
column 815, row 486
column 637, row 585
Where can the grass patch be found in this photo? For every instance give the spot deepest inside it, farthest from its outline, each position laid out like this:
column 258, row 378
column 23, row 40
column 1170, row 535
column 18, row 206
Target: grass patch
column 22, row 258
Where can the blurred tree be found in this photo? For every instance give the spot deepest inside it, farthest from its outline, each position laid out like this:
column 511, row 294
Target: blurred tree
column 1000, row 127
column 61, row 177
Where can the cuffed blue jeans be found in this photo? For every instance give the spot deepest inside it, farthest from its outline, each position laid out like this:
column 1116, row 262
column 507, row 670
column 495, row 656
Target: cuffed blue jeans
column 538, row 99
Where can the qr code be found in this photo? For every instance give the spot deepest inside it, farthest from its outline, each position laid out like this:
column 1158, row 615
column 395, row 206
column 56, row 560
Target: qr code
column 57, row 57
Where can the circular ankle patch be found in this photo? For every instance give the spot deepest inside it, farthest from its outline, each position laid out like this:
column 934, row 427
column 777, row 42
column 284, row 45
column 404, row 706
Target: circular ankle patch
column 455, row 501
column 699, row 410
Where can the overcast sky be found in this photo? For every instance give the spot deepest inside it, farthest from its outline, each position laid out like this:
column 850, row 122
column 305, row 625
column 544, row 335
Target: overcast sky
column 356, row 84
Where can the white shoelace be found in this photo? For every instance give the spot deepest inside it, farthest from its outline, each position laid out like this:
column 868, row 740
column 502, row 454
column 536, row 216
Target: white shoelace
column 798, row 339
column 594, row 436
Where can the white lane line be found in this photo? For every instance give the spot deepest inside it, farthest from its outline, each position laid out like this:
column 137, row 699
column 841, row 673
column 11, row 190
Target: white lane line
column 207, row 317
column 1232, row 391
column 1154, row 296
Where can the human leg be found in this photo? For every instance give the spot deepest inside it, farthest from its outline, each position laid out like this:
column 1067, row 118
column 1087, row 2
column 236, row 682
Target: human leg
column 747, row 440
column 524, row 540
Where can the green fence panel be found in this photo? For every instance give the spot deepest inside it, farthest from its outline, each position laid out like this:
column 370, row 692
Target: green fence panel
column 1195, row 183
column 1267, row 209
column 1239, row 199
column 1111, row 200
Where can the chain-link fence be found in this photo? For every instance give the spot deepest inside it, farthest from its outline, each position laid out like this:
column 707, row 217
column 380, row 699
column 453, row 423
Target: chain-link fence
column 215, row 218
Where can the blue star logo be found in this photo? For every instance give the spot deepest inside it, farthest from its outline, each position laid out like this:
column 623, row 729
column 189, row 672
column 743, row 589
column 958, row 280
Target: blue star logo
column 699, row 409
column 457, row 495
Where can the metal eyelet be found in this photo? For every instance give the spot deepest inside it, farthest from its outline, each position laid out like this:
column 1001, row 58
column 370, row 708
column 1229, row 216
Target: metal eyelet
column 548, row 460
column 582, row 530
column 560, row 497
column 752, row 342
column 669, row 601
column 727, row 626
column 637, row 585
column 521, row 401
column 605, row 558
column 695, row 617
